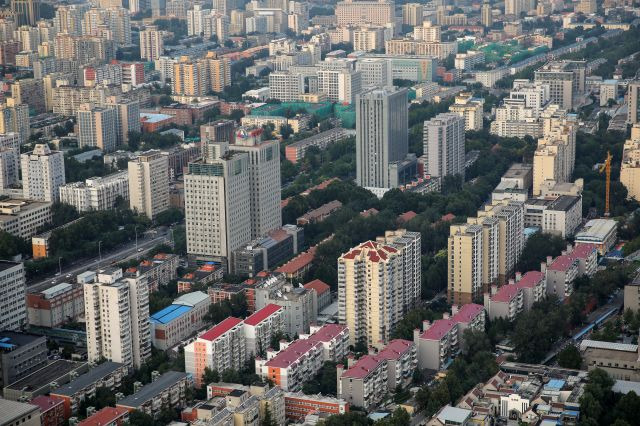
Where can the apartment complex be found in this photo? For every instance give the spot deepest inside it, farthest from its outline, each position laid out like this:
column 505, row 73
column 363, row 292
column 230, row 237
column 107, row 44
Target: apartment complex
column 42, row 174
column 378, row 281
column 350, row 12
column 181, row 319
column 444, row 140
column 13, row 315
column 23, row 218
column 97, row 193
column 517, row 296
column 407, row 46
column 199, row 77
column 97, row 127
column 166, row 391
column 151, row 43
column 261, row 326
column 469, row 108
column 55, row 306
column 117, row 318
column 149, row 183
column 630, row 167
column 566, row 80
column 562, row 271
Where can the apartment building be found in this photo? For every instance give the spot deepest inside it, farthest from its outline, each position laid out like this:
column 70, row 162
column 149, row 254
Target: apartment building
column 517, row 296
column 412, row 14
column 13, row 315
column 19, row 413
column 220, row 348
column 42, row 174
column 117, row 318
column 334, row 339
column 566, row 80
column 97, row 127
column 350, row 12
column 340, row 85
column 96, row 193
column 183, row 318
column 366, row 39
column 55, row 306
column 376, row 72
column 23, row 218
column 261, row 326
column 630, row 166
column 372, row 298
column 159, row 270
column 166, row 391
column 444, row 141
column 14, row 118
column 292, row 366
column 297, row 405
column 107, row 416
column 402, row 359
column 633, row 102
column 440, row 341
column 439, row 50
column 286, row 86
column 199, row 77
column 323, row 293
column 296, row 151
column 149, row 183
column 468, row 61
column 51, row 410
column 469, row 108
column 127, row 114
column 21, row 355
column 151, row 43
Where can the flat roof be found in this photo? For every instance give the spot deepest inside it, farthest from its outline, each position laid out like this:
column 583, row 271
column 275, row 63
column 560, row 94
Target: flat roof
column 597, row 344
column 152, row 389
column 597, row 229
column 12, row 339
column 453, row 415
column 169, row 313
column 45, row 375
column 85, row 380
column 12, row 410
column 564, row 203
column 6, row 264
column 625, row 386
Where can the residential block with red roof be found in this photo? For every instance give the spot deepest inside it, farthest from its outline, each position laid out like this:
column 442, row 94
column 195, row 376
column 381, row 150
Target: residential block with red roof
column 323, row 293
column 439, row 342
column 261, row 326
column 108, row 416
column 562, row 271
column 517, row 296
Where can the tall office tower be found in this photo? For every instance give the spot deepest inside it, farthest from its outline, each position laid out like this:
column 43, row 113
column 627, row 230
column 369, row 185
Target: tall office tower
column 465, row 272
column 381, row 135
column 29, row 91
column 13, row 315
column 97, row 127
column 513, row 7
column 412, row 14
column 127, row 118
column 68, row 19
column 15, row 118
column 27, row 12
column 218, row 203
column 8, row 167
column 264, row 180
column 118, row 20
column 377, row 284
column 630, row 166
column 375, row 72
column 566, row 80
column 117, row 317
column 444, row 145
column 633, row 102
column 486, row 17
column 149, row 183
column 151, row 43
column 359, row 12
column 42, row 174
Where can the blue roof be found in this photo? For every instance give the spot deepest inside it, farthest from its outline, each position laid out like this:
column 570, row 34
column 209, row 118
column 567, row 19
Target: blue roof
column 169, row 313
column 555, row 384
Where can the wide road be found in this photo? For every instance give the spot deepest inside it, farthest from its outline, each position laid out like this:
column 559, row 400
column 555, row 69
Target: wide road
column 121, row 254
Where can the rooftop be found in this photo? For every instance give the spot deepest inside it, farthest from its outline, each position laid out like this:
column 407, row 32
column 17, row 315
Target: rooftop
column 453, row 415
column 407, row 216
column 297, row 263
column 327, row 332
column 42, row 377
column 154, row 118
column 319, row 286
column 12, row 410
column 152, row 389
column 597, row 344
column 191, row 299
column 10, row 340
column 564, row 203
column 262, row 314
column 292, row 353
column 104, row 417
column 438, row 329
column 170, row 313
column 530, row 279
column 505, row 293
column 596, row 229
column 5, row 264
column 221, row 328
column 87, row 379
column 395, row 349
column 467, row 312
column 363, row 367
column 562, row 263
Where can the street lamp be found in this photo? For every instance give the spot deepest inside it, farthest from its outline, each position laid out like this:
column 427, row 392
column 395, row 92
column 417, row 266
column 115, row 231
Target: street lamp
column 135, row 229
column 99, row 252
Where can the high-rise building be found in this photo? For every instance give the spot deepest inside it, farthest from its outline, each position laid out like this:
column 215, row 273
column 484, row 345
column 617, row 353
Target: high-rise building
column 350, row 12
column 117, row 318
column 566, row 80
column 340, row 85
column 630, row 167
column 264, row 181
column 378, row 282
column 586, row 7
column 381, row 136
column 633, row 102
column 218, row 203
column 149, row 183
column 286, row 86
column 151, row 43
column 97, row 127
column 513, row 7
column 376, row 72
column 98, row 193
column 486, row 16
column 469, row 108
column 199, row 77
column 13, row 315
column 14, row 118
column 412, row 14
column 8, row 167
column 127, row 117
column 27, row 12
column 29, row 91
column 42, row 173
column 444, row 142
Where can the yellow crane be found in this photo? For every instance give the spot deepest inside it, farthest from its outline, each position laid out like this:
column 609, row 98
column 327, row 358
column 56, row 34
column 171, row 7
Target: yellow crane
column 606, row 167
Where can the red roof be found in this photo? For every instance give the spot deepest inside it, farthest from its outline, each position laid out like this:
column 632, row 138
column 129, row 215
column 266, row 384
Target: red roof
column 467, row 313
column 221, row 328
column 448, row 217
column 395, row 349
column 104, row 416
column 298, row 262
column 530, row 279
column 292, row 353
column 363, row 367
column 46, row 403
column 262, row 314
column 374, row 251
column 582, row 251
column 438, row 329
column 562, row 263
column 370, row 212
column 327, row 333
column 407, row 216
column 505, row 293
column 319, row 286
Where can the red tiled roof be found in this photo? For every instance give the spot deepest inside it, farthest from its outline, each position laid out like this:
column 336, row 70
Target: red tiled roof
column 467, row 313
column 45, row 402
column 104, row 416
column 292, row 353
column 407, row 216
column 438, row 329
column 582, row 251
column 369, row 212
column 262, row 314
column 363, row 367
column 530, row 279
column 374, row 251
column 448, row 217
column 221, row 328
column 327, row 332
column 562, row 263
column 319, row 286
column 505, row 293
column 298, row 262
column 395, row 349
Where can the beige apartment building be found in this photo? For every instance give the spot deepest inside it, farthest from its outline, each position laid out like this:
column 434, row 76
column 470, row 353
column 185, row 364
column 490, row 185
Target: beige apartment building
column 412, row 14
column 151, row 43
column 630, row 167
column 378, row 281
column 149, row 183
column 201, row 76
column 440, row 50
column 469, row 108
column 97, row 127
column 350, row 12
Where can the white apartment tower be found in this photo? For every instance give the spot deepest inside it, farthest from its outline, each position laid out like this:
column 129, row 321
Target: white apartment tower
column 444, row 145
column 151, row 43
column 218, row 203
column 127, row 117
column 13, row 315
column 117, row 318
column 8, row 167
column 42, row 174
column 149, row 183
column 97, row 127
column 98, row 193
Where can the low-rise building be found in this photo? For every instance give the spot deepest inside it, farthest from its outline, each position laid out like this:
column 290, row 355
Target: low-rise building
column 55, row 306
column 364, row 383
column 296, row 268
column 39, row 382
column 19, row 413
column 319, row 214
column 167, row 391
column 297, row 405
column 562, row 271
column 205, row 274
column 23, row 218
column 96, row 193
column 108, row 416
column 469, row 108
column 268, row 251
column 517, row 296
column 51, row 410
column 159, row 270
column 632, row 295
column 323, row 293
column 620, row 360
column 82, row 388
column 601, row 232
column 296, row 151
column 20, row 355
column 292, row 366
column 181, row 319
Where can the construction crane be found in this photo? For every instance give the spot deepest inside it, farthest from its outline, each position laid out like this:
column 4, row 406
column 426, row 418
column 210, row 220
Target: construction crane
column 606, row 167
